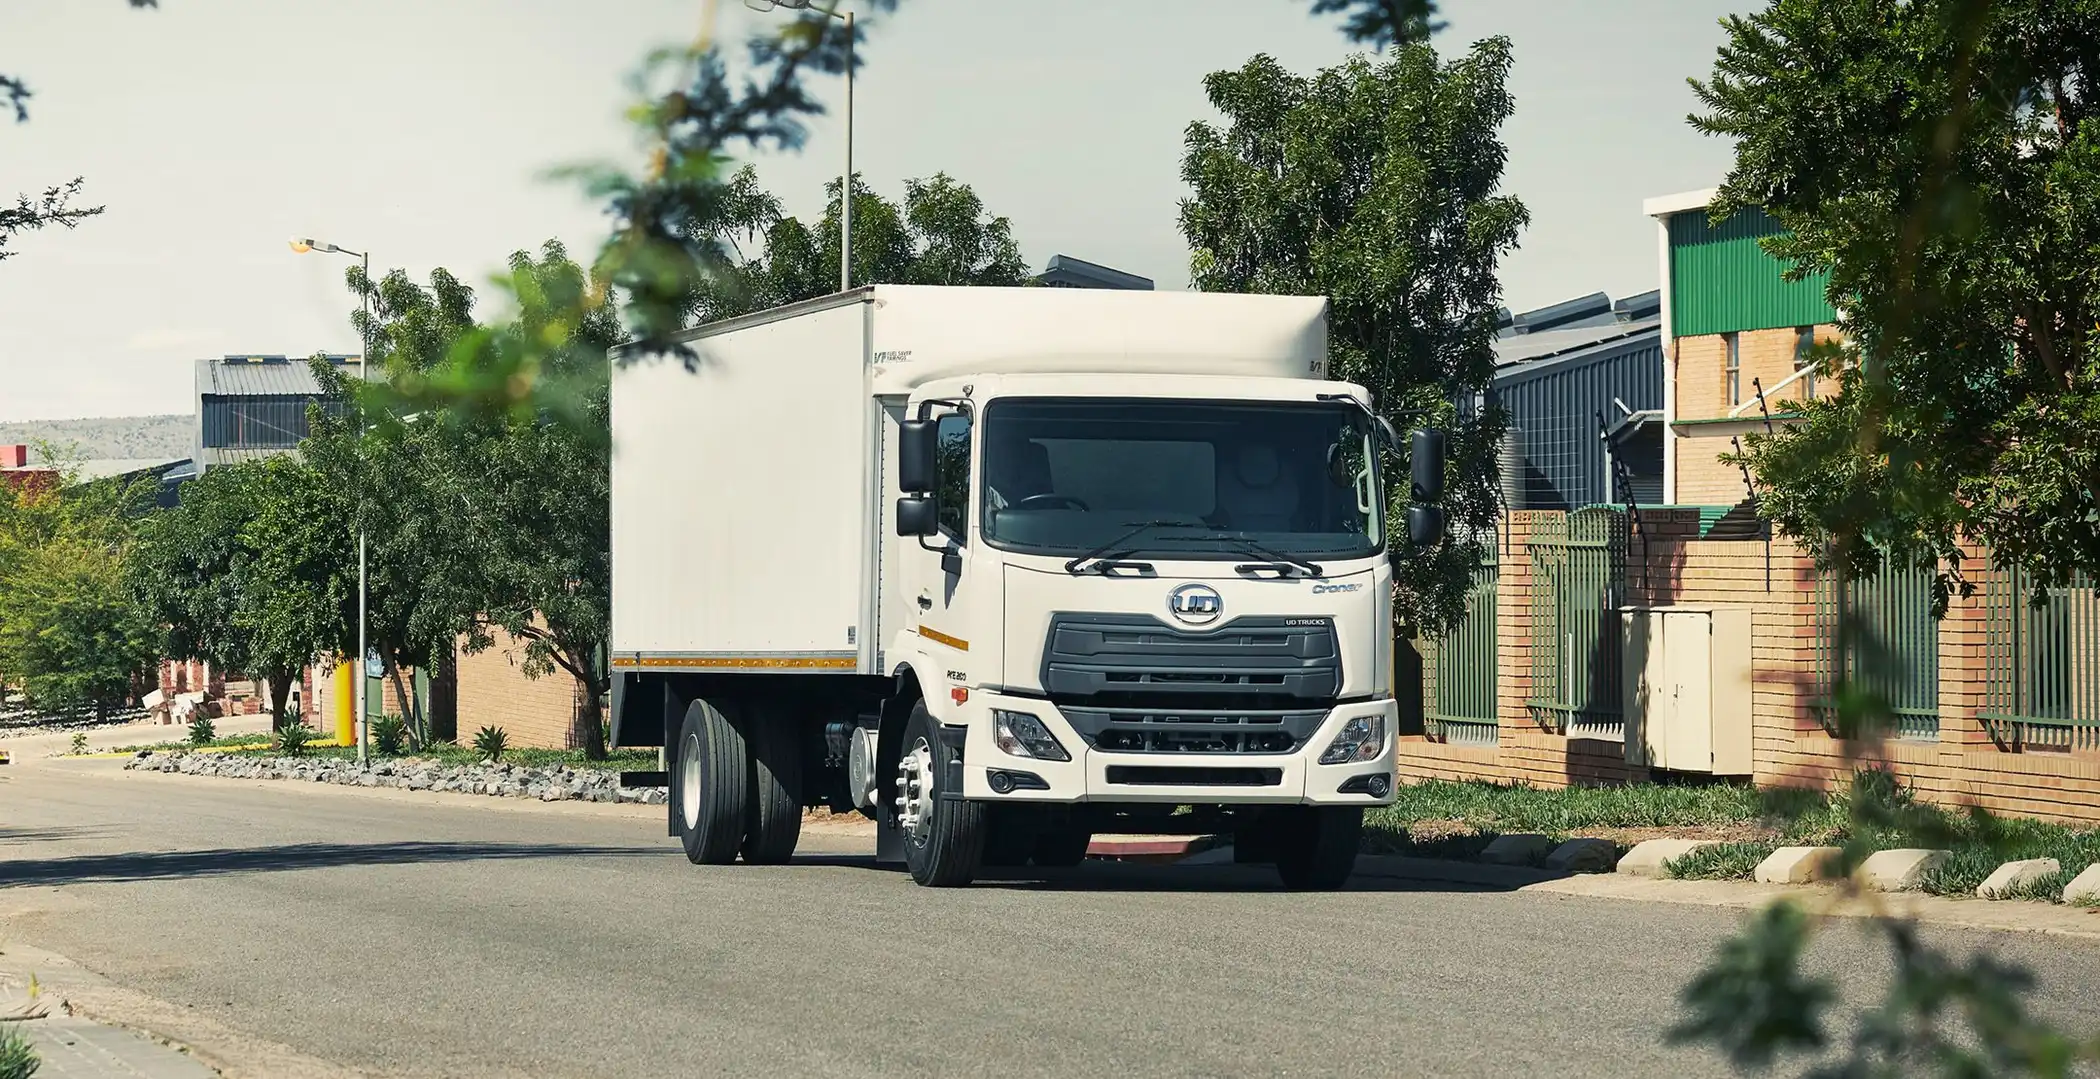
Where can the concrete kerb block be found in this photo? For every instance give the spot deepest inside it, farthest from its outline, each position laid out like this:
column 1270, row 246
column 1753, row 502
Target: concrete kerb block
column 2019, row 874
column 1796, row 865
column 1521, row 848
column 1584, row 856
column 1646, row 859
column 1898, row 870
column 2084, row 889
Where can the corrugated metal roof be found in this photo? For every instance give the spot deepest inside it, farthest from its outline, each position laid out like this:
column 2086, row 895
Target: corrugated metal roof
column 1527, row 347
column 123, row 466
column 258, row 375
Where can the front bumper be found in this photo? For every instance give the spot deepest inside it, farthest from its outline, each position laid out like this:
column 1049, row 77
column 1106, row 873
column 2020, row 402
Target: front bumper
column 1092, row 775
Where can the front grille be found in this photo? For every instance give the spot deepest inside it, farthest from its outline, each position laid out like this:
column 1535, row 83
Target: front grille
column 1151, row 730
column 1133, row 684
column 1145, row 776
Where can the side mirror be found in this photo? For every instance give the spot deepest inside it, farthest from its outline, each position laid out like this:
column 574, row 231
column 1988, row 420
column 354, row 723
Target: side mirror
column 1426, row 460
column 1425, row 525
column 917, row 516
column 915, row 457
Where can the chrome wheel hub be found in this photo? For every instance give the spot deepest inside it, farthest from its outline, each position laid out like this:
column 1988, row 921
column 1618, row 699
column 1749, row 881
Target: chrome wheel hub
column 689, row 783
column 915, row 790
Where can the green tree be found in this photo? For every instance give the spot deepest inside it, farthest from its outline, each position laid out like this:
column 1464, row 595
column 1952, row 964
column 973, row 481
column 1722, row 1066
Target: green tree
column 1376, row 183
column 486, row 520
column 940, row 234
column 1940, row 160
column 250, row 571
column 70, row 636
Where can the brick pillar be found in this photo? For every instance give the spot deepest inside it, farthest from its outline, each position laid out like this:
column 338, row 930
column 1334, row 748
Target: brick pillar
column 1513, row 609
column 1964, row 680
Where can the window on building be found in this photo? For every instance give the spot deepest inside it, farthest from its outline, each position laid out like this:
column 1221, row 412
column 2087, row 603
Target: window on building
column 1804, row 355
column 1735, row 368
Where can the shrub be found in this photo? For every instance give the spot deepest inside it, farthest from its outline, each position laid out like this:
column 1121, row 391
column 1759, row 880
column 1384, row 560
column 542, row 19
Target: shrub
column 386, row 733
column 491, row 742
column 292, row 739
column 202, row 731
column 79, row 742
column 17, row 1059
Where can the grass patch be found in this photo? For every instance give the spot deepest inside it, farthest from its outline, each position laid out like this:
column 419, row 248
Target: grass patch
column 1722, row 861
column 1446, row 819
column 17, row 1059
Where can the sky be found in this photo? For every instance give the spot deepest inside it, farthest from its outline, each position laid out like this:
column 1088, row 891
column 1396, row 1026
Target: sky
column 424, row 132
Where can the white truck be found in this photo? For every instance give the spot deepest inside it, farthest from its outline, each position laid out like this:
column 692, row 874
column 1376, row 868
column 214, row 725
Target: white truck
column 1004, row 569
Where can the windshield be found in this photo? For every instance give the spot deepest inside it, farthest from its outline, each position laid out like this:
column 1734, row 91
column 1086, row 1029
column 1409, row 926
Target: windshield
column 1197, row 479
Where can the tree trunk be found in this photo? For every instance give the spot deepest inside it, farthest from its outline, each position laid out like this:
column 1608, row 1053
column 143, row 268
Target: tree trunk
column 412, row 722
column 444, row 698
column 593, row 723
column 280, row 689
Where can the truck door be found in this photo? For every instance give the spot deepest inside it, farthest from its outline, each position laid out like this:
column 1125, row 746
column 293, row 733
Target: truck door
column 939, row 578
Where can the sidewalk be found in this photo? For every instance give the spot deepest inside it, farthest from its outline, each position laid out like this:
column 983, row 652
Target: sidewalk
column 28, row 748
column 70, row 1046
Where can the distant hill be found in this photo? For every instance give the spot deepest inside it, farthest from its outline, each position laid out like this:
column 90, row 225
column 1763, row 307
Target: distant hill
column 109, row 437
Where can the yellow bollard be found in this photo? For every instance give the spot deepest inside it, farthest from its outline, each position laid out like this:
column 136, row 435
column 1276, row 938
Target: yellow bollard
column 345, row 722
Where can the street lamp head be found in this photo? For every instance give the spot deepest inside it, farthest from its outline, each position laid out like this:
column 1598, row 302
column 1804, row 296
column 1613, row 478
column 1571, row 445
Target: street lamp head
column 304, row 244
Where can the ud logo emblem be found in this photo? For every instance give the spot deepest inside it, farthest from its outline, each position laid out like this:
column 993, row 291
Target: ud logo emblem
column 1196, row 604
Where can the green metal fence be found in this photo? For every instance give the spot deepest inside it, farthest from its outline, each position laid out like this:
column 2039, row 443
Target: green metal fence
column 2042, row 663
column 1890, row 649
column 1464, row 709
column 1577, row 565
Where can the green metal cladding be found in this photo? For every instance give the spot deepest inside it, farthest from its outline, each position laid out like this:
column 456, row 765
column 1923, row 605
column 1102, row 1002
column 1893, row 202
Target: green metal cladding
column 1722, row 281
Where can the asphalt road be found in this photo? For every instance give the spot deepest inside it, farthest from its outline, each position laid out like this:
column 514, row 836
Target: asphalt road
column 449, row 936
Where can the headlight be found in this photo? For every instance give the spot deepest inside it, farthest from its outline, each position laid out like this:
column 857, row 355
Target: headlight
column 1023, row 735
column 1362, row 739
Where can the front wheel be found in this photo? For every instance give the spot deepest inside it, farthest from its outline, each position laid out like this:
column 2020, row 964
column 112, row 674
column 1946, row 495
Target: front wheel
column 943, row 837
column 1316, row 848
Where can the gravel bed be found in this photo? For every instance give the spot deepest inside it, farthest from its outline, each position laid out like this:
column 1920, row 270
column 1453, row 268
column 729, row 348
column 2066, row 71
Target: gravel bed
column 555, row 784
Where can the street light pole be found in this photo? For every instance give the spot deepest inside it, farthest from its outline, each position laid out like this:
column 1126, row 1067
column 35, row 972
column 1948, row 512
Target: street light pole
column 845, row 178
column 364, row 333
column 846, row 181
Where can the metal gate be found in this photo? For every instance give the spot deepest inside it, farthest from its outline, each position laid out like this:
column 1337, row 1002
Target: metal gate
column 2042, row 664
column 1578, row 564
column 1464, row 708
column 1891, row 650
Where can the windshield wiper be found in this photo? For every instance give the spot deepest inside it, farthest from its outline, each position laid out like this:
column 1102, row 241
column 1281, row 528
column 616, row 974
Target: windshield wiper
column 1281, row 563
column 1093, row 560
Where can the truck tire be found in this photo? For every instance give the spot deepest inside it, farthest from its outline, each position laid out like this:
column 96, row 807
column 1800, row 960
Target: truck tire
column 709, row 785
column 943, row 838
column 773, row 815
column 1318, row 846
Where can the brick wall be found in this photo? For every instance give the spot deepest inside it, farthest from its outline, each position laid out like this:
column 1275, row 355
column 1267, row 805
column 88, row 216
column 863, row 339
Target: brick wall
column 494, row 691
column 1668, row 563
column 1701, row 374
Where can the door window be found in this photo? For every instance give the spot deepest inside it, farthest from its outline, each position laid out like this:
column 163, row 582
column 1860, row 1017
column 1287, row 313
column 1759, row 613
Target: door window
column 951, row 490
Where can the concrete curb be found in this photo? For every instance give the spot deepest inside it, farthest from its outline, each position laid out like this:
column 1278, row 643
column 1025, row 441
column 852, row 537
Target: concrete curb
column 1152, row 847
column 2085, row 887
column 1900, row 869
column 2017, row 874
column 1796, row 865
column 1517, row 848
column 1584, row 856
column 1650, row 858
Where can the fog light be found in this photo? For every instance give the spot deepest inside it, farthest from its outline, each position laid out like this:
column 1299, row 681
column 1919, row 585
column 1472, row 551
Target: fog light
column 1362, row 739
column 1000, row 782
column 1379, row 786
column 1021, row 735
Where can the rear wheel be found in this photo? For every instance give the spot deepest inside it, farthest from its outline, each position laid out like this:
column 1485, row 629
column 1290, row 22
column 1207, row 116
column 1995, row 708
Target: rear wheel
column 773, row 814
column 943, row 838
column 708, row 785
column 1317, row 846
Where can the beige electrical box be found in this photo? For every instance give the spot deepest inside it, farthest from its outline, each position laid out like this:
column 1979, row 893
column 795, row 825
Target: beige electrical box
column 1686, row 679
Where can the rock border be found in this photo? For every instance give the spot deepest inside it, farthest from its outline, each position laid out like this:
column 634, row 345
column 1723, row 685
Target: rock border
column 559, row 783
